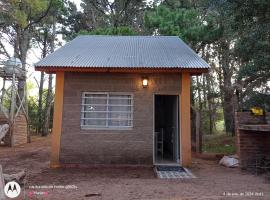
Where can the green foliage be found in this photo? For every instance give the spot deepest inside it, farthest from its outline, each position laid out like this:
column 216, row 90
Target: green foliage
column 220, row 126
column 23, row 12
column 73, row 21
column 6, row 99
column 218, row 122
column 219, row 114
column 110, row 31
column 252, row 24
column 104, row 17
column 30, row 86
column 188, row 24
column 33, row 112
column 224, row 144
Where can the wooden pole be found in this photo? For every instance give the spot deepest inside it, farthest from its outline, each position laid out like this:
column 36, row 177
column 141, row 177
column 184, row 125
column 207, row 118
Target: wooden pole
column 26, row 113
column 12, row 108
column 57, row 119
column 2, row 184
column 185, row 128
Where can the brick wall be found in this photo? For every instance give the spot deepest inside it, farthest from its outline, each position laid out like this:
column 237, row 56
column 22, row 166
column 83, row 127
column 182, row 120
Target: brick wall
column 133, row 146
column 251, row 144
column 19, row 130
column 248, row 118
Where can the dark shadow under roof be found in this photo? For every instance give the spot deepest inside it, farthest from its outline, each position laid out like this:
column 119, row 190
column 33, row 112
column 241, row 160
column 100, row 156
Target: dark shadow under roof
column 124, row 52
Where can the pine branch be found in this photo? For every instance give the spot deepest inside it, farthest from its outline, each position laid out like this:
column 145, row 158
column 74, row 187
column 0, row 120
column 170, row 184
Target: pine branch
column 40, row 17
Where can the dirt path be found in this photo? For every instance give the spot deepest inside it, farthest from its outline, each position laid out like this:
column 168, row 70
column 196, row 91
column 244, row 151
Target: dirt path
column 213, row 182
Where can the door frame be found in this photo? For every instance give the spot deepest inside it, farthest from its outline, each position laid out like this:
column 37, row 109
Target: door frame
column 179, row 160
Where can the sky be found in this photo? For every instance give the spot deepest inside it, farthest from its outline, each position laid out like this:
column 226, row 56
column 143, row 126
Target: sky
column 77, row 2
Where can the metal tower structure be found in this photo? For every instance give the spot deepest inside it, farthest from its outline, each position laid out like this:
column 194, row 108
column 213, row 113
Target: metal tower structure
column 12, row 104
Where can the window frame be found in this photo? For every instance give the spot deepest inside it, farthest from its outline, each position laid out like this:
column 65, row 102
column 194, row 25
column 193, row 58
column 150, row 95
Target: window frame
column 107, row 127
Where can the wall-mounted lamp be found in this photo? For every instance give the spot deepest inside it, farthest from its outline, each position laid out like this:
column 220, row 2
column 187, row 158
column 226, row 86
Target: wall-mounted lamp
column 145, row 82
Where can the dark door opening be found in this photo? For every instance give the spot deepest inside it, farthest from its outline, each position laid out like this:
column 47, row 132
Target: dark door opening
column 166, row 143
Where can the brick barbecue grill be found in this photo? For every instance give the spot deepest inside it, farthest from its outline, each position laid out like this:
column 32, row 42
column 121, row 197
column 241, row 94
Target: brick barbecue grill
column 253, row 141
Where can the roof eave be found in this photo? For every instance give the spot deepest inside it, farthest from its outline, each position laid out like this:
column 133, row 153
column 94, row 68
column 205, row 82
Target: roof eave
column 53, row 70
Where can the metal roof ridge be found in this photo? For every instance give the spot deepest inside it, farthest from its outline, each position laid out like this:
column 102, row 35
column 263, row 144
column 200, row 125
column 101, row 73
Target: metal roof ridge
column 144, row 36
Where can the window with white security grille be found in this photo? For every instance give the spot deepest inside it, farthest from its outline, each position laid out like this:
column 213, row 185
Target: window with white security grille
column 106, row 110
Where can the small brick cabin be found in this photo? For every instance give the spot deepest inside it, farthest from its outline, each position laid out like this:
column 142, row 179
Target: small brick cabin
column 122, row 100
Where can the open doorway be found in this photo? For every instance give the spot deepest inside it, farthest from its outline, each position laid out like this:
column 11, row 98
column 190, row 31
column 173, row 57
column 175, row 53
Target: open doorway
column 166, row 141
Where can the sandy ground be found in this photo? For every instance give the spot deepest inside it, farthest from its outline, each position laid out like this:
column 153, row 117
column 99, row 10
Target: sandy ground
column 212, row 182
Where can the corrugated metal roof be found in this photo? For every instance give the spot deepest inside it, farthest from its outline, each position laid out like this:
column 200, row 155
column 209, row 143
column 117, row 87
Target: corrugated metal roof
column 124, row 51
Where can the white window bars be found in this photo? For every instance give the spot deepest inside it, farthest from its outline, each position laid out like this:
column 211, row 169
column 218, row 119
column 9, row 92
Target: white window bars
column 106, row 110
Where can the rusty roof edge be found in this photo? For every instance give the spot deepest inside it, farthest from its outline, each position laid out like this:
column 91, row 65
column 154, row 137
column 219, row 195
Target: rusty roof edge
column 192, row 71
column 123, row 67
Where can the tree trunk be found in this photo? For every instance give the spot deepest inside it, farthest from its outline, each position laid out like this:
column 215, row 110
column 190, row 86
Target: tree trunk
column 40, row 99
column 198, row 124
column 228, row 112
column 48, row 106
column 49, row 97
column 41, row 84
column 21, row 47
column 204, row 92
column 209, row 99
column 228, row 104
column 210, row 105
column 198, row 133
column 199, row 94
